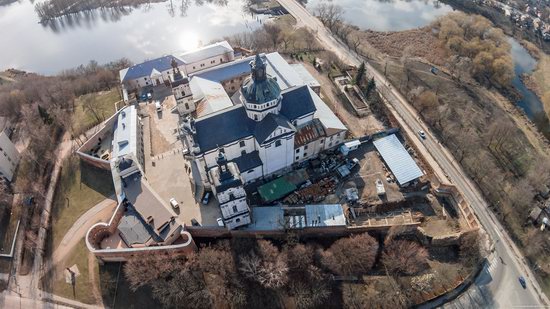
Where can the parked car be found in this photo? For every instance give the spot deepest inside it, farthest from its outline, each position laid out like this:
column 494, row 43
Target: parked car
column 194, row 222
column 522, row 282
column 220, row 222
column 149, row 96
column 206, row 198
column 422, row 134
column 158, row 106
column 174, row 203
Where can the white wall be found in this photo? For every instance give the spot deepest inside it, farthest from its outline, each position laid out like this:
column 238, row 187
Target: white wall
column 277, row 158
column 9, row 157
column 252, row 174
column 208, row 63
column 300, row 122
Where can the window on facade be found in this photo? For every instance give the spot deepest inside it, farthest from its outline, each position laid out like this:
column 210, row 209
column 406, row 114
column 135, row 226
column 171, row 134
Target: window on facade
column 202, row 65
column 305, row 154
column 243, row 152
column 255, row 117
column 222, row 150
column 277, row 143
column 232, row 87
column 241, row 144
column 297, row 158
column 238, row 220
column 145, row 78
column 186, row 105
column 298, row 150
column 221, row 60
column 305, row 147
column 193, row 67
column 331, row 138
column 235, row 209
column 322, row 140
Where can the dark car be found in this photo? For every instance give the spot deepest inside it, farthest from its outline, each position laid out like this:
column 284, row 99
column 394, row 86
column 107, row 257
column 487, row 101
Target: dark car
column 194, row 222
column 522, row 282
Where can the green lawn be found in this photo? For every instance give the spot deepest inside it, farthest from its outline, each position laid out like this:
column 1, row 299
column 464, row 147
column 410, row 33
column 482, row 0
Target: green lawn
column 80, row 187
column 84, row 285
column 93, row 108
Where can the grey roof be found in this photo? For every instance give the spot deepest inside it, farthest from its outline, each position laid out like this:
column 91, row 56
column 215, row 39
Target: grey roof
column 297, row 102
column 233, row 123
column 269, row 124
column 225, row 126
column 267, row 219
column 277, row 67
column 325, row 215
column 305, row 76
column 153, row 210
column 125, row 133
column 248, row 161
column 398, row 159
column 132, row 228
column 147, row 67
column 206, row 52
column 226, row 71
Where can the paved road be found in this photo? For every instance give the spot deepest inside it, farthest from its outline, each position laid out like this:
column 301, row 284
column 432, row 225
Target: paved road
column 499, row 281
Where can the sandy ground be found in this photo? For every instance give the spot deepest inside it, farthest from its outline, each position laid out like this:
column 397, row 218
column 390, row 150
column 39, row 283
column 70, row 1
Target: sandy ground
column 357, row 126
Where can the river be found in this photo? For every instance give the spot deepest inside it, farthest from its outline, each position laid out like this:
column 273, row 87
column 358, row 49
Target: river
column 146, row 31
column 530, row 103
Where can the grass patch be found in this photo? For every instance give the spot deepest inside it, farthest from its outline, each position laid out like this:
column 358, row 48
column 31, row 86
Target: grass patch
column 84, row 285
column 91, row 109
column 80, row 187
column 116, row 292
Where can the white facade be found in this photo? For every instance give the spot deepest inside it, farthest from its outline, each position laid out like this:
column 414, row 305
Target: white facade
column 9, row 157
column 207, row 57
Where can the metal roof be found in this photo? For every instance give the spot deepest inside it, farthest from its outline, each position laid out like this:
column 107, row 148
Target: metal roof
column 213, row 96
column 276, row 189
column 125, row 133
column 325, row 215
column 305, row 76
column 203, row 53
column 248, row 161
column 398, row 159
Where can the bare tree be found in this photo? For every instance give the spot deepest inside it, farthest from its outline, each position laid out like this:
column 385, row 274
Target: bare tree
column 267, row 267
column 404, row 257
column 354, row 255
column 329, row 14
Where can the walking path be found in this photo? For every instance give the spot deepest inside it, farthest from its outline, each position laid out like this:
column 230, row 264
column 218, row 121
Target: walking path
column 100, row 212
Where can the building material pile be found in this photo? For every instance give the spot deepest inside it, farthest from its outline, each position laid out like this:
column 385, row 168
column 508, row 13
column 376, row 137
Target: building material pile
column 314, row 193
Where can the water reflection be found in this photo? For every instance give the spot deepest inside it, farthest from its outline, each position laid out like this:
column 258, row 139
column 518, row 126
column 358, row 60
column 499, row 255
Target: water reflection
column 135, row 32
column 388, row 15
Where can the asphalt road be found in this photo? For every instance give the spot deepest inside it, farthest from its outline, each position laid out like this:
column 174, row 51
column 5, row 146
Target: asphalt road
column 497, row 286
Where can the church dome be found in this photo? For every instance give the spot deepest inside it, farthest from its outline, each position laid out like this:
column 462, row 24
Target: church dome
column 260, row 88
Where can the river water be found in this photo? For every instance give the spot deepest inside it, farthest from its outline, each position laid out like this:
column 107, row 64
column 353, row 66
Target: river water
column 147, row 31
column 172, row 26
column 524, row 63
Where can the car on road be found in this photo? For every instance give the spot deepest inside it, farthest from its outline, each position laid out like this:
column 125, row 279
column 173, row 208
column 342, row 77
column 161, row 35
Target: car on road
column 220, row 222
column 194, row 222
column 206, row 198
column 522, row 282
column 174, row 203
column 422, row 134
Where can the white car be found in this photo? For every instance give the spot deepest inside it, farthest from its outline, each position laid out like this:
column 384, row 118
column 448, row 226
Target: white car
column 158, row 107
column 174, row 203
column 422, row 134
column 220, row 222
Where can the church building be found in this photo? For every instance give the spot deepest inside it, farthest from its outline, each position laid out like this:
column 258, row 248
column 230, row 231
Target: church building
column 264, row 132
